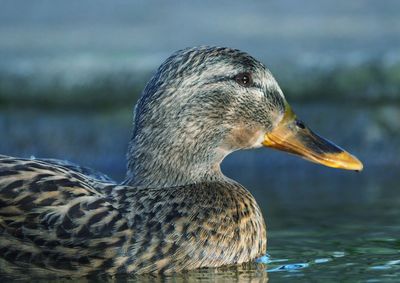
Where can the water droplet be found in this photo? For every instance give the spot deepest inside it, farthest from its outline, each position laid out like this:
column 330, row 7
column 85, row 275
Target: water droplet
column 380, row 267
column 394, row 262
column 322, row 260
column 338, row 254
column 265, row 259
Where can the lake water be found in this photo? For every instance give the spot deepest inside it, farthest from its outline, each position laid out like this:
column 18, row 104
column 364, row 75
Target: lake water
column 324, row 225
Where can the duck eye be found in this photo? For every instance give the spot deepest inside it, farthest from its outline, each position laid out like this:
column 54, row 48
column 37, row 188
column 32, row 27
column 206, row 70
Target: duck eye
column 244, row 79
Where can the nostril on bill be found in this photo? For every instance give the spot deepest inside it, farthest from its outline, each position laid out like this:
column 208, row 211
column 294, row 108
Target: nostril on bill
column 300, row 124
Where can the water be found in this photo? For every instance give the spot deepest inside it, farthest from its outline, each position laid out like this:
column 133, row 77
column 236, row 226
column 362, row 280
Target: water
column 323, row 224
column 47, row 46
column 361, row 244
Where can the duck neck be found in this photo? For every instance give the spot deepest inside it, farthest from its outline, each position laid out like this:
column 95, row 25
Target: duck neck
column 172, row 163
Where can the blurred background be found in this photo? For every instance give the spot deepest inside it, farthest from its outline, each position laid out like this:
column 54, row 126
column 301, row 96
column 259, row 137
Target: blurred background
column 71, row 71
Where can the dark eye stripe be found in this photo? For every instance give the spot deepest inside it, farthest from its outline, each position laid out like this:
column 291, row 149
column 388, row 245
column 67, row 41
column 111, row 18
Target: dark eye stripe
column 227, row 79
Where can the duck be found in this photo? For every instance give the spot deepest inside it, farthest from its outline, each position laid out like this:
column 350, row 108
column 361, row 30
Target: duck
column 175, row 211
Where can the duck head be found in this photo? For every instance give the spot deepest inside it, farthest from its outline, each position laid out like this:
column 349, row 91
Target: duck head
column 206, row 102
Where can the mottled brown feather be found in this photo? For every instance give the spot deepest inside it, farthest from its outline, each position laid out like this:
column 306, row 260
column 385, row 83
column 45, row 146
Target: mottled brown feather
column 51, row 219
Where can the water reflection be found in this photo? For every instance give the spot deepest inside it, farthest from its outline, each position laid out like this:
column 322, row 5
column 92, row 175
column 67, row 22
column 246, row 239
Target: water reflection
column 289, row 267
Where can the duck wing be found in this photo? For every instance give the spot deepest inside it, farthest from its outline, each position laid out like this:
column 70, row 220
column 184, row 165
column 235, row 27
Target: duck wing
column 89, row 172
column 52, row 218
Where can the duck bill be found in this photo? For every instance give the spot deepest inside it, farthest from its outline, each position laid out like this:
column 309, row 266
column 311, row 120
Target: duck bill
column 291, row 135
